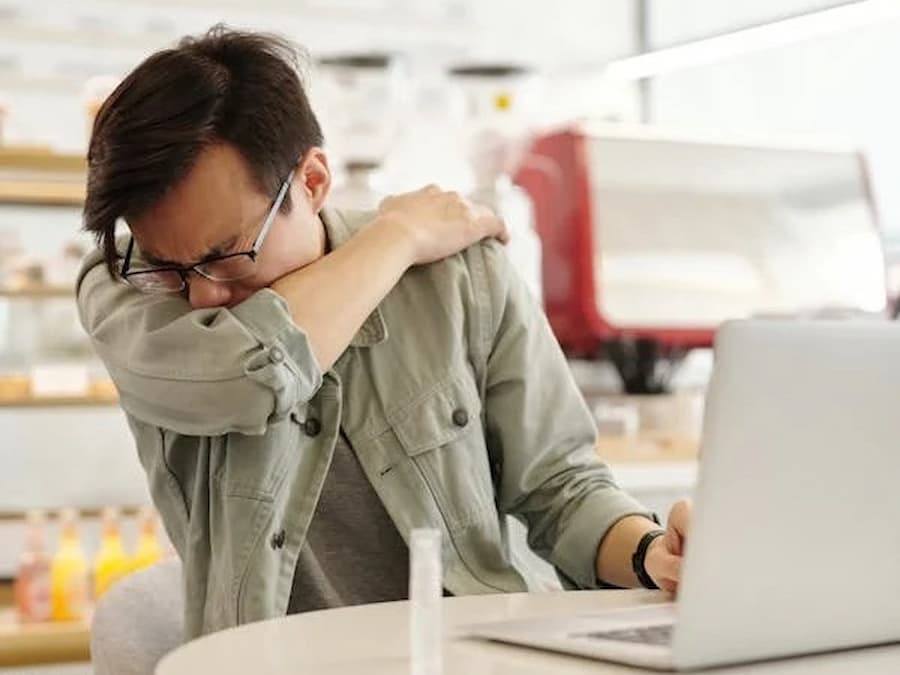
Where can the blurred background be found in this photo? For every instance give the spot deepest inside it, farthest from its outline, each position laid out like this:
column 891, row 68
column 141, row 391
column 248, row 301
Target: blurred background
column 663, row 167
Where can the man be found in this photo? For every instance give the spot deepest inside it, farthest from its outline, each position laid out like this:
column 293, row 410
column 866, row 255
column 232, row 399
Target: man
column 307, row 386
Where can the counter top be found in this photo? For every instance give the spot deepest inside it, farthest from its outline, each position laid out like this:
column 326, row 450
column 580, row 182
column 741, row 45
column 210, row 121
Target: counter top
column 374, row 640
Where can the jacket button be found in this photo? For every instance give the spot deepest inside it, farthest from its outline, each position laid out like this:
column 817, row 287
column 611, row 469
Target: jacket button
column 277, row 540
column 460, row 417
column 276, row 355
column 312, row 427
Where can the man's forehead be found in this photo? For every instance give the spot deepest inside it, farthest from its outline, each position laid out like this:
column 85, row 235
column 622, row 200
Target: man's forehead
column 204, row 215
column 169, row 236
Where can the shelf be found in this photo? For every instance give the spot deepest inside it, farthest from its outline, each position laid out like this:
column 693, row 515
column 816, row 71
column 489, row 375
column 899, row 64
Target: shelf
column 58, row 401
column 42, row 193
column 90, row 513
column 37, row 176
column 38, row 293
column 26, row 644
column 15, row 392
column 25, row 158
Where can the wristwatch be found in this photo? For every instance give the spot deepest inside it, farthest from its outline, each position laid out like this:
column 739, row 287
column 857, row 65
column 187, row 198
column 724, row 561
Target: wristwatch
column 640, row 553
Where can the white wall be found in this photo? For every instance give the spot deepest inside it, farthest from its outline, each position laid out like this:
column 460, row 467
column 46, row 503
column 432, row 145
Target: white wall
column 842, row 87
column 675, row 22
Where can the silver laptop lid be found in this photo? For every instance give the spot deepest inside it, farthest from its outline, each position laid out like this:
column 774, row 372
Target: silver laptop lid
column 795, row 546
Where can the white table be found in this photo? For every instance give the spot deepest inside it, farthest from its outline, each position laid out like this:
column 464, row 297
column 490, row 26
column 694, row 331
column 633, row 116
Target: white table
column 373, row 640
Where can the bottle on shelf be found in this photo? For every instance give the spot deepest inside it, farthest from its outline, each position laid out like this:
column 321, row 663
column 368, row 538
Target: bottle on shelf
column 148, row 550
column 111, row 563
column 32, row 586
column 69, row 572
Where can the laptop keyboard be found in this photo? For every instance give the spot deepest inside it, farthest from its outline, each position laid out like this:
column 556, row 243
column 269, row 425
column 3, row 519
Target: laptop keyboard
column 648, row 635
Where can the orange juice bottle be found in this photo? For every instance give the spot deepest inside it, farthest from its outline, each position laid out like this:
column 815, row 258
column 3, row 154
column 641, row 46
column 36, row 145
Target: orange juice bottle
column 148, row 549
column 69, row 572
column 32, row 588
column 111, row 563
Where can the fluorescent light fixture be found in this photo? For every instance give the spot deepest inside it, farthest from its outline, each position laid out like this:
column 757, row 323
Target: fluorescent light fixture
column 776, row 34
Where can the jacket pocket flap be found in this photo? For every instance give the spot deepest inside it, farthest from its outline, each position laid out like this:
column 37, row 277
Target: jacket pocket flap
column 439, row 416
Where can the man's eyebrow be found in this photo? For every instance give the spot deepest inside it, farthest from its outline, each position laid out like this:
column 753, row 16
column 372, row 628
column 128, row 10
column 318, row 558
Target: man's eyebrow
column 216, row 251
column 221, row 249
column 157, row 261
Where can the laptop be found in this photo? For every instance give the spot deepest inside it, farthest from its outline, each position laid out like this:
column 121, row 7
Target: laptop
column 794, row 546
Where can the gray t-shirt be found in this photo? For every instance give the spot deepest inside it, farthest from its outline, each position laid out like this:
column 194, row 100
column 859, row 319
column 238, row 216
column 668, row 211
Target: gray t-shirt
column 353, row 552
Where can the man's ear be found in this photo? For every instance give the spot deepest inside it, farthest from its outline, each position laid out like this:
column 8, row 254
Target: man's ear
column 315, row 177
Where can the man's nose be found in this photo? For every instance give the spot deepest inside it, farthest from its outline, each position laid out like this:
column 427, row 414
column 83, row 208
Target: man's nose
column 203, row 293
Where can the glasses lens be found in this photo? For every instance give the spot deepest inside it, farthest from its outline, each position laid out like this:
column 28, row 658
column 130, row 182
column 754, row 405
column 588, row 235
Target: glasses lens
column 157, row 281
column 228, row 269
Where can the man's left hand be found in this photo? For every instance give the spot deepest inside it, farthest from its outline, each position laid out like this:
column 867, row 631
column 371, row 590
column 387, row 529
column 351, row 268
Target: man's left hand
column 663, row 559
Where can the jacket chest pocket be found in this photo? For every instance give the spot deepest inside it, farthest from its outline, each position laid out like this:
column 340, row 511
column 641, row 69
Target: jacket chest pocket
column 442, row 435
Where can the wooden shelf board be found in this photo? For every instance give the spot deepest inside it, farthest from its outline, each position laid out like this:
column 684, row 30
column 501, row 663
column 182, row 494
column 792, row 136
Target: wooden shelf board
column 27, row 644
column 85, row 513
column 42, row 193
column 37, row 292
column 58, row 401
column 37, row 158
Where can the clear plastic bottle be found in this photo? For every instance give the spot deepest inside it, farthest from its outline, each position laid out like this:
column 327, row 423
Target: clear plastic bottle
column 32, row 587
column 148, row 550
column 111, row 563
column 69, row 572
column 425, row 593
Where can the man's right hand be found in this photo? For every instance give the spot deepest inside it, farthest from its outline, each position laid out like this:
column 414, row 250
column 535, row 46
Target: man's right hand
column 438, row 224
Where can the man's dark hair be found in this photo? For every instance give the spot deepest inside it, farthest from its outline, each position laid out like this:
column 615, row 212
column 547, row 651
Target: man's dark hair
column 225, row 86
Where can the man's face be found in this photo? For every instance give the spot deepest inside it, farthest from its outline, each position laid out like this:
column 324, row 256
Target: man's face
column 217, row 209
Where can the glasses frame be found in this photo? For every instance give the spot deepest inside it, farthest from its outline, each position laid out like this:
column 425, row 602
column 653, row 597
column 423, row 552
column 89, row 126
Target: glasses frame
column 253, row 253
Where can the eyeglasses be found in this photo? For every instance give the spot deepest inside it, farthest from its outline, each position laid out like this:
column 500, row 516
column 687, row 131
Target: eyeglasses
column 230, row 267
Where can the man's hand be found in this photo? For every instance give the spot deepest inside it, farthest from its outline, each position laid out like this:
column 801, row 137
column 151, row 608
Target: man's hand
column 439, row 224
column 331, row 298
column 663, row 559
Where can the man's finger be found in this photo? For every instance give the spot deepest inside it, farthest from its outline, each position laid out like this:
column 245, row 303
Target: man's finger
column 669, row 586
column 669, row 567
column 494, row 227
column 678, row 525
column 674, row 542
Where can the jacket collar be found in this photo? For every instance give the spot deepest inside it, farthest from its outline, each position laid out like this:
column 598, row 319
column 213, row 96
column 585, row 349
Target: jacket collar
column 340, row 226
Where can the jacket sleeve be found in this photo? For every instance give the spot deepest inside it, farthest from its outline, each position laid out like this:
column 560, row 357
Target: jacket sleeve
column 540, row 427
column 197, row 372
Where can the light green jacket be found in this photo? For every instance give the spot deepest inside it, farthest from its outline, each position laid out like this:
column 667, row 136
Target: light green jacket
column 454, row 395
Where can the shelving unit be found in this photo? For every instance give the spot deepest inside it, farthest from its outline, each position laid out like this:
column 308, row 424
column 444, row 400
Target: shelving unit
column 60, row 450
column 39, row 177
